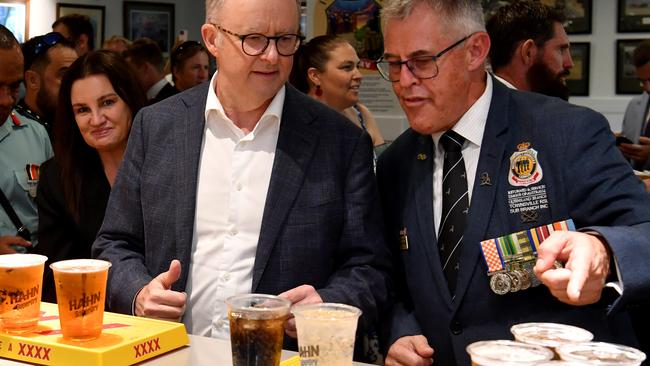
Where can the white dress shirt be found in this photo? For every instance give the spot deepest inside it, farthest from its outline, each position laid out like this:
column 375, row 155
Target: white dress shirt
column 234, row 175
column 156, row 88
column 504, row 81
column 471, row 126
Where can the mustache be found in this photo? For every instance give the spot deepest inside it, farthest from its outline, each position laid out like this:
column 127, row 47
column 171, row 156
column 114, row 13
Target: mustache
column 565, row 72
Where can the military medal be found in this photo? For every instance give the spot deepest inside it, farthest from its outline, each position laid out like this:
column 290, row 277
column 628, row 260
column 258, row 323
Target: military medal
column 510, row 258
column 403, row 240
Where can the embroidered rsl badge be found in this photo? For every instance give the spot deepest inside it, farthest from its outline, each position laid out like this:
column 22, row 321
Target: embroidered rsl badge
column 524, row 166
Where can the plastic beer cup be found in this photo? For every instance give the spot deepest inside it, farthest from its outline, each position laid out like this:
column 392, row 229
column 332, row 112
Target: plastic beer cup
column 550, row 335
column 326, row 333
column 601, row 353
column 507, row 353
column 257, row 328
column 81, row 293
column 21, row 280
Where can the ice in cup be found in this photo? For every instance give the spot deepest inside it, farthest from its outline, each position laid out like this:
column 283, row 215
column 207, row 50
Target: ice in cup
column 80, row 293
column 257, row 328
column 326, row 333
column 21, row 280
column 601, row 353
column 507, row 353
column 550, row 335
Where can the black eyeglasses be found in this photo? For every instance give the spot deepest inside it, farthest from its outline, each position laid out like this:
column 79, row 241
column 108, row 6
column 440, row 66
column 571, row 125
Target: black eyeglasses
column 254, row 44
column 422, row 67
column 37, row 46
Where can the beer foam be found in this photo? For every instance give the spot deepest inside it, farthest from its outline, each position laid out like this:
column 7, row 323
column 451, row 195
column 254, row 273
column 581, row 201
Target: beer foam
column 550, row 334
column 80, row 265
column 501, row 352
column 601, row 353
column 21, row 260
column 326, row 311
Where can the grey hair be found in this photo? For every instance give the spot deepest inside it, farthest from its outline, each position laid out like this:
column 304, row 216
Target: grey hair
column 463, row 16
column 214, row 6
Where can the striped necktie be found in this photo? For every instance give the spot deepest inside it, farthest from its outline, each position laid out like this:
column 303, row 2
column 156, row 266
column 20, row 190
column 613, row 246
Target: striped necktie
column 455, row 206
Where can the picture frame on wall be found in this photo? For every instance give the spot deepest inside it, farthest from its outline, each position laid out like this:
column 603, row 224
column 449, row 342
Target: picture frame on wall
column 578, row 79
column 14, row 14
column 578, row 13
column 633, row 16
column 96, row 14
column 151, row 20
column 626, row 80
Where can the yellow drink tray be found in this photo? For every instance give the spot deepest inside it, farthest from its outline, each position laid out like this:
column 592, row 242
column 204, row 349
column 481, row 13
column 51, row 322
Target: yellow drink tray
column 125, row 340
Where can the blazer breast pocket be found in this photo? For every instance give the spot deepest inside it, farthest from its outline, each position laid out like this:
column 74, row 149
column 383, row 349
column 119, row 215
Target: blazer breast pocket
column 317, row 213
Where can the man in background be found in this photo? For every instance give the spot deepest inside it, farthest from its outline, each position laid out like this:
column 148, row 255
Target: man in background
column 636, row 129
column 47, row 58
column 530, row 48
column 145, row 56
column 24, row 145
column 77, row 29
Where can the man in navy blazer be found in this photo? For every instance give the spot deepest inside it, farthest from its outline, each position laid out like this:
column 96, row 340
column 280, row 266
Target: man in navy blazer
column 292, row 210
column 434, row 57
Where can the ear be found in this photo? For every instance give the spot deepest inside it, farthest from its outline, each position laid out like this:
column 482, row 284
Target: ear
column 210, row 39
column 477, row 50
column 83, row 42
column 528, row 52
column 314, row 76
column 32, row 80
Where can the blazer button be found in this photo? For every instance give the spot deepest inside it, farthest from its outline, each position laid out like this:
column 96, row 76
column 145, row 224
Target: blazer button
column 455, row 327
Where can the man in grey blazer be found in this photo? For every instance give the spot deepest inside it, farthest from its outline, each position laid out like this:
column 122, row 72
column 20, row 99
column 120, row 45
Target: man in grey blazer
column 243, row 185
column 635, row 121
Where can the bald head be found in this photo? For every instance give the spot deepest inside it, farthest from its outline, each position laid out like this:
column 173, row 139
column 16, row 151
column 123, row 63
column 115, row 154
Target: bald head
column 213, row 9
column 7, row 39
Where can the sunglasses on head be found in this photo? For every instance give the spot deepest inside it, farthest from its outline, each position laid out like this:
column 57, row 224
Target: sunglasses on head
column 40, row 46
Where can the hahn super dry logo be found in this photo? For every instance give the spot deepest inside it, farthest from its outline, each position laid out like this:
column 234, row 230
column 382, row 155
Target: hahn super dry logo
column 524, row 166
column 19, row 298
column 85, row 304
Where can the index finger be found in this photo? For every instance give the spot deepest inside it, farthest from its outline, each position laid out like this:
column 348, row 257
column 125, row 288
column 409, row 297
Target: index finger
column 549, row 251
column 580, row 265
column 298, row 293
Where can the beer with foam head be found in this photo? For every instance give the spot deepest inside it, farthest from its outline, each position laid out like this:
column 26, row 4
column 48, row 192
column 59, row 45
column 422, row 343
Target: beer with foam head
column 80, row 293
column 507, row 353
column 601, row 353
column 550, row 335
column 21, row 279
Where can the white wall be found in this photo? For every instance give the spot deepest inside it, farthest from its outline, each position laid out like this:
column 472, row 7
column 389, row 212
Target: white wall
column 188, row 14
column 602, row 81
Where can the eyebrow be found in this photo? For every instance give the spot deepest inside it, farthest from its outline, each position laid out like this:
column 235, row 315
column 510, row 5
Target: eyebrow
column 105, row 96
column 412, row 54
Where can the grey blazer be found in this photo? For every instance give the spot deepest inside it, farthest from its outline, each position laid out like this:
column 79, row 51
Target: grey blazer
column 634, row 118
column 321, row 223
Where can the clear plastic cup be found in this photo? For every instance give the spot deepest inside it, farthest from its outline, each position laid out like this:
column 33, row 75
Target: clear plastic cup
column 550, row 335
column 601, row 353
column 257, row 328
column 21, row 281
column 507, row 353
column 326, row 333
column 80, row 293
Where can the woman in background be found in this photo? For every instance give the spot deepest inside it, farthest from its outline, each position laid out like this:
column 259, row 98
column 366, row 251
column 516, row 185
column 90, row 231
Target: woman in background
column 98, row 98
column 189, row 65
column 326, row 68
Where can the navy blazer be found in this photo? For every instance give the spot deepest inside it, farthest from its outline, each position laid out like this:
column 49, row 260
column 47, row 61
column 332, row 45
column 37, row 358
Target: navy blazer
column 321, row 223
column 585, row 178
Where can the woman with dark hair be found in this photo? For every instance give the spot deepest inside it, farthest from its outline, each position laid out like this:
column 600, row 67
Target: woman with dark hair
column 98, row 99
column 326, row 68
column 189, row 65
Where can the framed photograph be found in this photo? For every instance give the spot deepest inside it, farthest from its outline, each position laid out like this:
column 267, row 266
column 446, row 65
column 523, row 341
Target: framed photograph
column 633, row 16
column 578, row 80
column 577, row 13
column 95, row 13
column 14, row 14
column 626, row 80
column 151, row 20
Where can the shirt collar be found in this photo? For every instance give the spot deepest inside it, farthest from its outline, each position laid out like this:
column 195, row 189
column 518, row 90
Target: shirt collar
column 472, row 124
column 272, row 112
column 156, row 88
column 504, row 81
